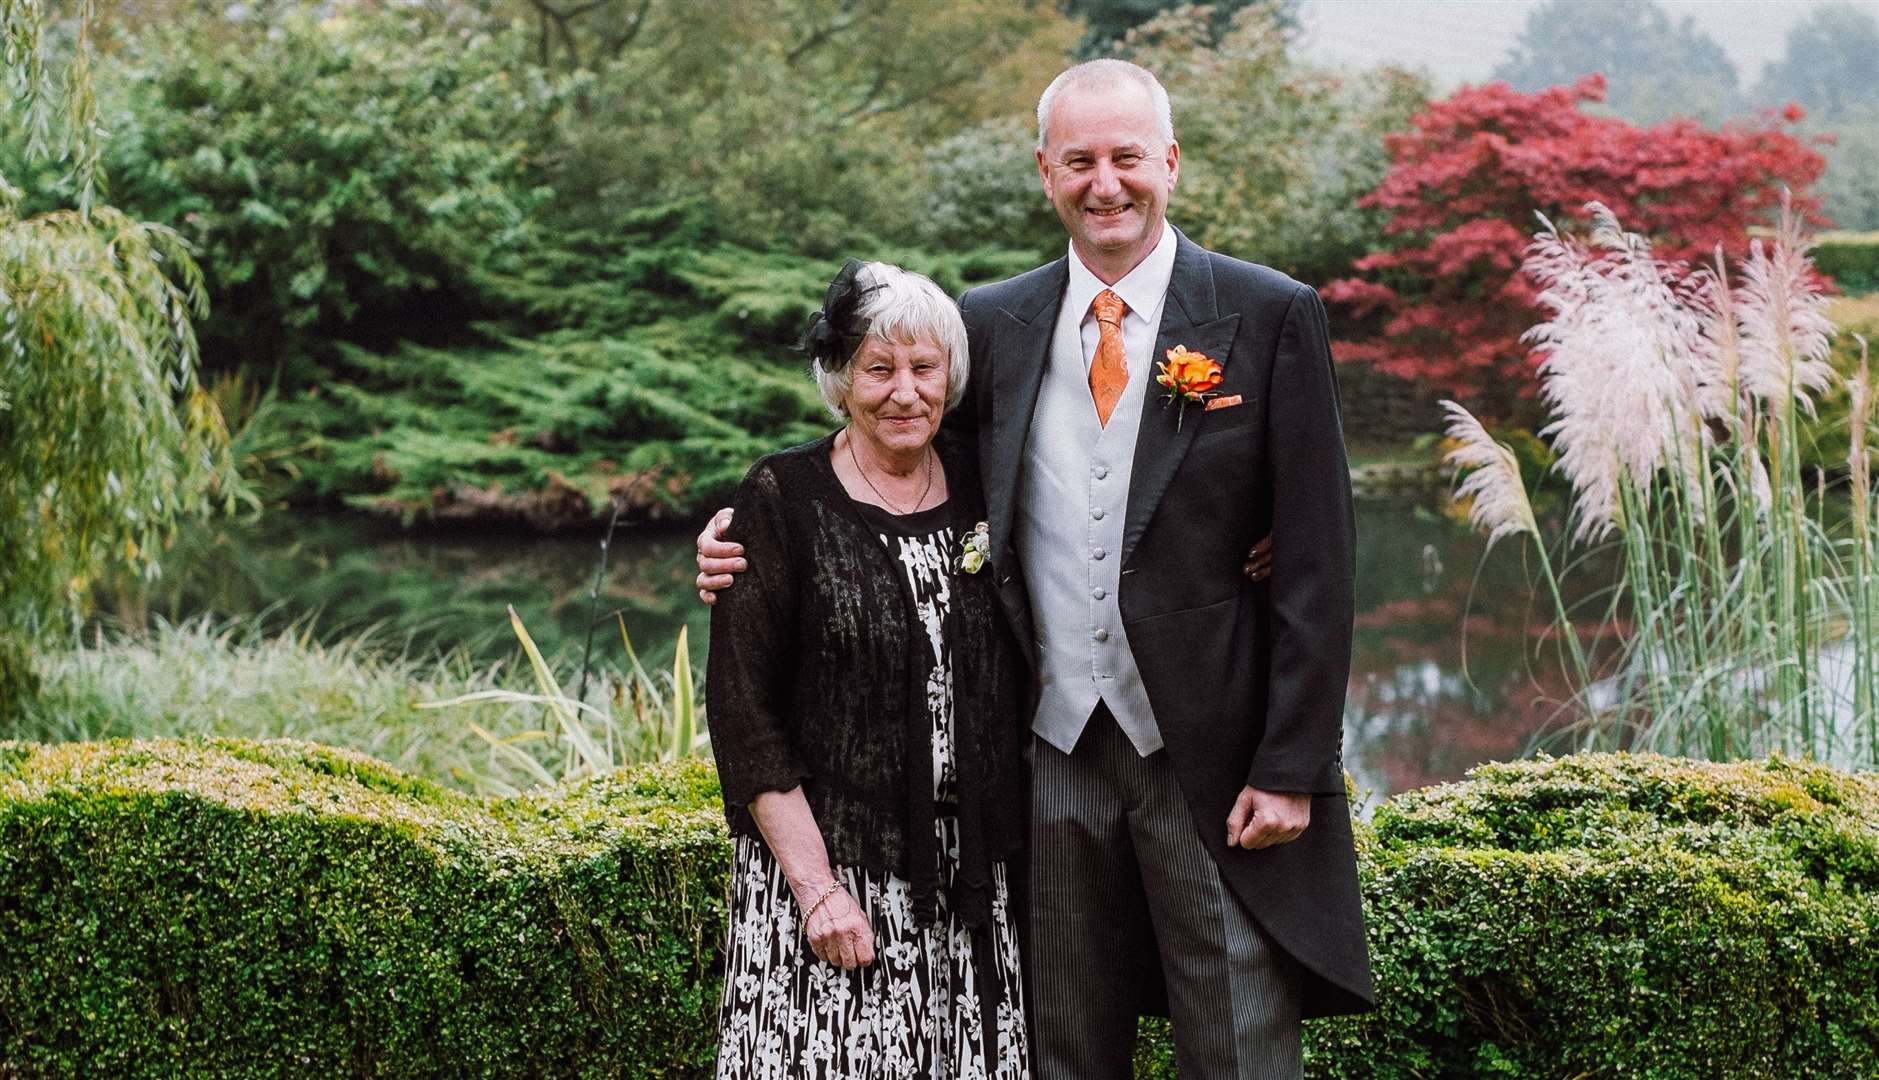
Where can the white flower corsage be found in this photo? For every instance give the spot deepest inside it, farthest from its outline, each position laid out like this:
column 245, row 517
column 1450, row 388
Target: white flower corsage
column 976, row 548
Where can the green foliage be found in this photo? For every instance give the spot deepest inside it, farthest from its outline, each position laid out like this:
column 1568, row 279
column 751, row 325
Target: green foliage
column 589, row 740
column 1827, row 67
column 1849, row 189
column 1826, row 437
column 1828, row 63
column 1111, row 21
column 106, row 441
column 1850, row 259
column 233, row 680
column 53, row 125
column 279, row 908
column 1274, row 156
column 986, row 190
column 1654, row 68
column 1622, row 915
column 799, row 123
column 656, row 379
column 542, row 432
column 329, row 173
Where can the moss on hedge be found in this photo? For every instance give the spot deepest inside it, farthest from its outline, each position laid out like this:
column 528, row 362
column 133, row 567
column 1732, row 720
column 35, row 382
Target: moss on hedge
column 221, row 907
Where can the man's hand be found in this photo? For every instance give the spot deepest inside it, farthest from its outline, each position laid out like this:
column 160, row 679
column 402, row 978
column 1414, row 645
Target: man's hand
column 1261, row 819
column 1259, row 560
column 718, row 560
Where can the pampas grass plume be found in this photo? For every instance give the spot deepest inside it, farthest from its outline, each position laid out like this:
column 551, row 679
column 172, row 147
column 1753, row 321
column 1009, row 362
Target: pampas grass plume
column 1500, row 505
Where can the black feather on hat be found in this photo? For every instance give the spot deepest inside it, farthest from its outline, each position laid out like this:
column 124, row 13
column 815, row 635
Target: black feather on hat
column 837, row 330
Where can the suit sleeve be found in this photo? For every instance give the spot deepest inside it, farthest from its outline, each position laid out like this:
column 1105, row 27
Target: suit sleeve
column 748, row 669
column 963, row 420
column 1313, row 563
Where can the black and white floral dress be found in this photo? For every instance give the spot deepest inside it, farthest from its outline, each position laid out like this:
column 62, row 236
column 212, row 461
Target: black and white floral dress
column 914, row 1012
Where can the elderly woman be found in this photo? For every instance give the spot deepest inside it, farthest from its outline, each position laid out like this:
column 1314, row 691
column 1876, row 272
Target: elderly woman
column 863, row 702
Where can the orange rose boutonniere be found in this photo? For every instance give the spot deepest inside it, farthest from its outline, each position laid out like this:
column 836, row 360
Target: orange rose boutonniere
column 1189, row 377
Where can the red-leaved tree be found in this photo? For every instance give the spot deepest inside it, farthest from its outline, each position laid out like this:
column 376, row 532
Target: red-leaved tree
column 1462, row 190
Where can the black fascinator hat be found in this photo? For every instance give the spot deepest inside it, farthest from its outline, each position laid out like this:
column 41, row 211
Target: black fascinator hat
column 836, row 331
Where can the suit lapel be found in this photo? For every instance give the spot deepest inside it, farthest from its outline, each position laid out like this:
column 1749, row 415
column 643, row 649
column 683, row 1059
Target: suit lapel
column 1021, row 343
column 1189, row 317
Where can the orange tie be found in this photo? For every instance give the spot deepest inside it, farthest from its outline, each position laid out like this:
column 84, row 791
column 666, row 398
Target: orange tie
column 1109, row 374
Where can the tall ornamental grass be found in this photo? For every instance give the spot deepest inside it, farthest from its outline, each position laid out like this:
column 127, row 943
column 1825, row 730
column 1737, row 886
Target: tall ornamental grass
column 641, row 719
column 1745, row 601
column 229, row 679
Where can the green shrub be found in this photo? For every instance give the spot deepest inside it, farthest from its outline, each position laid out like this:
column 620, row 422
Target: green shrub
column 1619, row 915
column 1850, row 259
column 209, row 907
column 281, row 909
column 344, row 176
column 660, row 349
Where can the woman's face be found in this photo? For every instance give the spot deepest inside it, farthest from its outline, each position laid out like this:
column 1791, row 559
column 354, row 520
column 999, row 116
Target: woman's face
column 897, row 394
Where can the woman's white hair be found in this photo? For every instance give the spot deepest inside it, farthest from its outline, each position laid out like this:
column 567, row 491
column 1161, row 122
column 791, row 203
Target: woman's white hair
column 1106, row 72
column 902, row 307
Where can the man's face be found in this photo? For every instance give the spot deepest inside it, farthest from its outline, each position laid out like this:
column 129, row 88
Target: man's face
column 1108, row 172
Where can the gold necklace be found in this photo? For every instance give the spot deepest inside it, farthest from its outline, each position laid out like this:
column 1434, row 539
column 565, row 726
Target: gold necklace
column 877, row 491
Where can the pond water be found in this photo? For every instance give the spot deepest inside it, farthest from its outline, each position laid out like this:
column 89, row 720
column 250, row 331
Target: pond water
column 1451, row 665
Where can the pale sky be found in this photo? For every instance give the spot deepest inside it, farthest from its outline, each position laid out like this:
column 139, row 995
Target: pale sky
column 1461, row 40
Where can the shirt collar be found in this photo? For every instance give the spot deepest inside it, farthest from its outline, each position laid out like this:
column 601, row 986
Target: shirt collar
column 1142, row 288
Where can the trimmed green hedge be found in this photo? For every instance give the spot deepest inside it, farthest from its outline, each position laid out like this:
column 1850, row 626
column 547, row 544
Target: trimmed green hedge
column 1850, row 259
column 223, row 907
column 228, row 908
column 1617, row 915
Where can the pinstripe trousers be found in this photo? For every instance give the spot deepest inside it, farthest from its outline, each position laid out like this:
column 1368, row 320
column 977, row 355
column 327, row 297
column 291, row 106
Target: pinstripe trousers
column 1116, row 867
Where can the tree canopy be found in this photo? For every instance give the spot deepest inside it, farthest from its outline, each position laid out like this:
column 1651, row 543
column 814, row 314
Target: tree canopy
column 1829, row 66
column 1654, row 68
column 1109, row 21
column 106, row 441
column 1465, row 183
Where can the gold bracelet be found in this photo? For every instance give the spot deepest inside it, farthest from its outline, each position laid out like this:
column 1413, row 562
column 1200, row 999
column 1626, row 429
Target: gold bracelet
column 827, row 891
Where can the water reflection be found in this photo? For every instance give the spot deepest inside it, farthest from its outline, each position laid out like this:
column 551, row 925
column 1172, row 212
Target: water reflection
column 427, row 592
column 1438, row 683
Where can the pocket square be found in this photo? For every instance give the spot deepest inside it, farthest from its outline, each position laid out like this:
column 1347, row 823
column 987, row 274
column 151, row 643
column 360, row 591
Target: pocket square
column 1222, row 402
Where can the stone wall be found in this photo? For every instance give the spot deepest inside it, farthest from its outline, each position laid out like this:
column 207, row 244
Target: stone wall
column 1383, row 408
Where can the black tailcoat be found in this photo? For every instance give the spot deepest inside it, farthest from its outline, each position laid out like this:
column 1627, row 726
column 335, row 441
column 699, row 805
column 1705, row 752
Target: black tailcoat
column 1246, row 681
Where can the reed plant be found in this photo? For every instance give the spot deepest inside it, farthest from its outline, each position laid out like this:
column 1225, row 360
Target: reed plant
column 231, row 678
column 1679, row 399
column 640, row 718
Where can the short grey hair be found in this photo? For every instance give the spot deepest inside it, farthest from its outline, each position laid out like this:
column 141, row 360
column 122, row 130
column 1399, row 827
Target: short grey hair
column 902, row 307
column 1106, row 72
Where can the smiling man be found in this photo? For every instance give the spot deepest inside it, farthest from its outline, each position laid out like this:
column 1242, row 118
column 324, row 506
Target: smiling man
column 1190, row 843
column 1188, row 819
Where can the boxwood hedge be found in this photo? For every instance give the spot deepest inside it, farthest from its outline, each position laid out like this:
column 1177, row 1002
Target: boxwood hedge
column 1850, row 259
column 198, row 908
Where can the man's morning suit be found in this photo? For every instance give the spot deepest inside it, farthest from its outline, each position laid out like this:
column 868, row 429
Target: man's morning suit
column 1164, row 680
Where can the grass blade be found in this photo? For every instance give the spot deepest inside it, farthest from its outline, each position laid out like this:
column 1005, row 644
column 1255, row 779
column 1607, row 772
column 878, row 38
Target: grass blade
column 684, row 709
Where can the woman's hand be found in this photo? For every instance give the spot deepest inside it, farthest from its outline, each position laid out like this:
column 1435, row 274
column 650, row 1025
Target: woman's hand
column 838, row 931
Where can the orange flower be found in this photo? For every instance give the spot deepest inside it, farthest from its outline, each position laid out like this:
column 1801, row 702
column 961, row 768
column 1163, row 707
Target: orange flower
column 1189, row 375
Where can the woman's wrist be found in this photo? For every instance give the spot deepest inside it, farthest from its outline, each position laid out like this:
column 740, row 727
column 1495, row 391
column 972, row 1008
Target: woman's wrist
column 822, row 897
column 809, row 887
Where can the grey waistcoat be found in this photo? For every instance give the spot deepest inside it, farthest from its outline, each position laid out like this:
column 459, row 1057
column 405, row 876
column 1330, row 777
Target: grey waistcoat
column 1075, row 493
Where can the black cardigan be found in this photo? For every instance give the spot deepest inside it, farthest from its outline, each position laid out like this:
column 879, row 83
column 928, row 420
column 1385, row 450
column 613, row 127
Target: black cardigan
column 809, row 678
